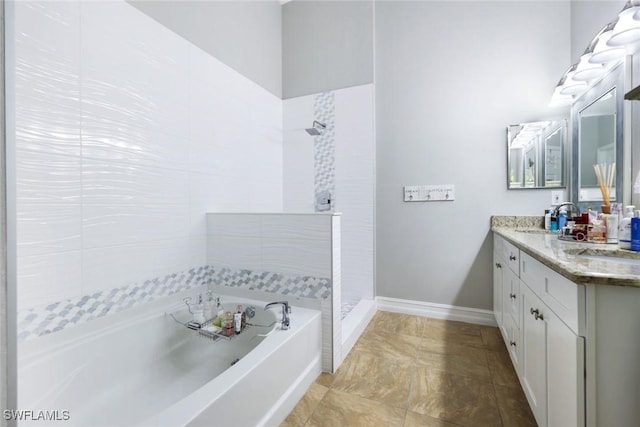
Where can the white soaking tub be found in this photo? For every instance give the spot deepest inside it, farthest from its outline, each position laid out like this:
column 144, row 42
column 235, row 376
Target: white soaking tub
column 140, row 368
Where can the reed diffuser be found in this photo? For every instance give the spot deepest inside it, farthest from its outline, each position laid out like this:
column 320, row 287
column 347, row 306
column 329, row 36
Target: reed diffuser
column 605, row 174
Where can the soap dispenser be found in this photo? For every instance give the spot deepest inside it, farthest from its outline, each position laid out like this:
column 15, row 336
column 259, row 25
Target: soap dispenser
column 562, row 218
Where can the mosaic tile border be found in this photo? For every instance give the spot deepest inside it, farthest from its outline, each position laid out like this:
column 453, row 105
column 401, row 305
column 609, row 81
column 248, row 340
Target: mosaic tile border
column 54, row 317
column 324, row 150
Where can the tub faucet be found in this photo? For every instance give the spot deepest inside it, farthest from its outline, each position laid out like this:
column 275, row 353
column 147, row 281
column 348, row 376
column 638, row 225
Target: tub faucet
column 286, row 310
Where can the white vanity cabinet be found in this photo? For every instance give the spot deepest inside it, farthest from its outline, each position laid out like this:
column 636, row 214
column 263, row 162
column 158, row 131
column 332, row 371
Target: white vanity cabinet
column 542, row 319
column 553, row 375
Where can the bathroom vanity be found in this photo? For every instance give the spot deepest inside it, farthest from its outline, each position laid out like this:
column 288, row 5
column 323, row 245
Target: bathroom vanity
column 570, row 317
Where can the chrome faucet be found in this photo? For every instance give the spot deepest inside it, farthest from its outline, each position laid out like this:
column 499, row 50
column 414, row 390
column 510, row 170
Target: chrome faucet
column 556, row 211
column 286, row 310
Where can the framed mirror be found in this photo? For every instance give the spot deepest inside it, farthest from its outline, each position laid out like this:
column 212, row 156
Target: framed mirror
column 597, row 139
column 536, row 154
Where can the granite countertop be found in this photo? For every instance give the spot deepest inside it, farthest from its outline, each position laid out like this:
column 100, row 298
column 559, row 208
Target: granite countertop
column 619, row 268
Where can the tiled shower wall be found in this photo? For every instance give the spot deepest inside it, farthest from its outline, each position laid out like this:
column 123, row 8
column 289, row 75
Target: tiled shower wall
column 351, row 169
column 125, row 135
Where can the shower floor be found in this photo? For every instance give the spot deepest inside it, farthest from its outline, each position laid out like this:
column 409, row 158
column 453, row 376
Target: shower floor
column 347, row 306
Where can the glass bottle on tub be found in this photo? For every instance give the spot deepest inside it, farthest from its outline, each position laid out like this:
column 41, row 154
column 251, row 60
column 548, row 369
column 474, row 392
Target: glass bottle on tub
column 227, row 325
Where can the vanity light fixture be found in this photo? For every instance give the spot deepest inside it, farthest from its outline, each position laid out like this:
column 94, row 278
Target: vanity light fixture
column 587, row 71
column 617, row 39
column 571, row 86
column 558, row 99
column 626, row 32
column 603, row 53
column 528, row 134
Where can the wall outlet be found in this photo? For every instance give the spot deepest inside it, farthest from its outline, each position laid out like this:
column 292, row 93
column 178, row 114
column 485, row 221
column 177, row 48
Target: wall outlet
column 556, row 197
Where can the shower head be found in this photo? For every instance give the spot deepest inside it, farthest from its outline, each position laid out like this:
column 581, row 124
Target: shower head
column 317, row 128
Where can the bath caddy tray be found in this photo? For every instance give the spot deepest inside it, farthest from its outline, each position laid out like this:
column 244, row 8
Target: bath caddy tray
column 202, row 329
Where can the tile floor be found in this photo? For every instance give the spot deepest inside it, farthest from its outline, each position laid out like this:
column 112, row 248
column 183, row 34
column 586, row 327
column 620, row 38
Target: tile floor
column 414, row 371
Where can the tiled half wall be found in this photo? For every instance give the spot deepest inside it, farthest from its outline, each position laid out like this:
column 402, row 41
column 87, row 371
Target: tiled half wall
column 300, row 245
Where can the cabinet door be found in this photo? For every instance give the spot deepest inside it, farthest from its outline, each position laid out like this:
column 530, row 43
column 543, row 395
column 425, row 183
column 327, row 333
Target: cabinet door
column 498, row 268
column 534, row 353
column 513, row 343
column 565, row 374
column 511, row 296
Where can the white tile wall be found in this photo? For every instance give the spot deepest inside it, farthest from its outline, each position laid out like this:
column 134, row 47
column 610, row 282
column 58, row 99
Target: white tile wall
column 297, row 244
column 304, row 256
column 49, row 277
column 298, row 168
column 104, row 266
column 126, row 135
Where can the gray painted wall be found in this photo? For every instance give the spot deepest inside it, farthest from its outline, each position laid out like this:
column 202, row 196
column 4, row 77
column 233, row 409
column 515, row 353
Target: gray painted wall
column 326, row 45
column 447, row 85
column 587, row 19
column 245, row 35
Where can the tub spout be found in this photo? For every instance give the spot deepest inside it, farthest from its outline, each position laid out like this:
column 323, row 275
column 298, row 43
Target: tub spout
column 286, row 310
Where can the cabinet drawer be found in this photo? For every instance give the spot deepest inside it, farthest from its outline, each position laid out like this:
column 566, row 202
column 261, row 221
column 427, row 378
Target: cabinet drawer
column 565, row 298
column 511, row 255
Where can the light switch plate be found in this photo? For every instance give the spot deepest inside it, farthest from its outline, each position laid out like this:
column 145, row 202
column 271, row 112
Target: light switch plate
column 429, row 193
column 556, row 197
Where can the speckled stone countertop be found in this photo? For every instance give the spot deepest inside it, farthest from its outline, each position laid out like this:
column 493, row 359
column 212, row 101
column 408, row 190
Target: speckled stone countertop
column 614, row 266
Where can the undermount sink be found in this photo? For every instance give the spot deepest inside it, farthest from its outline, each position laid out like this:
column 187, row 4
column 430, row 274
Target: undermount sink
column 603, row 255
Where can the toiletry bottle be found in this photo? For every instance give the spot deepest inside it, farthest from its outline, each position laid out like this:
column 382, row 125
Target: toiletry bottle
column 547, row 219
column 198, row 311
column 237, row 320
column 227, row 324
column 612, row 227
column 208, row 314
column 217, row 321
column 244, row 317
column 554, row 222
column 624, row 228
column 635, row 232
column 562, row 218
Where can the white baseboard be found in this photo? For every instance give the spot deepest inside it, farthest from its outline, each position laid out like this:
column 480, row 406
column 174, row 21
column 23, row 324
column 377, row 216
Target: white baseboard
column 437, row 311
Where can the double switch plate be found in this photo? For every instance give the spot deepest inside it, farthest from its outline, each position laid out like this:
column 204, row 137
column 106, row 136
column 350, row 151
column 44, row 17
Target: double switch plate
column 429, row 193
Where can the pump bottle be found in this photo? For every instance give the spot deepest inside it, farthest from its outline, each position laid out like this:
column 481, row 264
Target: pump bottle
column 624, row 228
